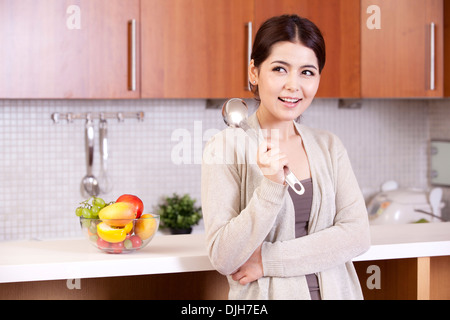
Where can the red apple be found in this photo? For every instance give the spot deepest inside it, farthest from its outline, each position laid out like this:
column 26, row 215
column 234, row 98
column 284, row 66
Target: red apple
column 135, row 201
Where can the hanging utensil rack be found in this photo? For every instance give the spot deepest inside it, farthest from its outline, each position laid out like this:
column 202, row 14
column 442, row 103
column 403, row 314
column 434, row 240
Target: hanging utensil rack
column 120, row 116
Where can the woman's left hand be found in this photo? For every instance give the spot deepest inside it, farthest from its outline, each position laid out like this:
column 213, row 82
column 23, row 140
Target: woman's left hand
column 251, row 270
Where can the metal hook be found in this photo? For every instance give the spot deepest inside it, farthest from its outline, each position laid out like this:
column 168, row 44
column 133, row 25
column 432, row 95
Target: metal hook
column 69, row 117
column 55, row 117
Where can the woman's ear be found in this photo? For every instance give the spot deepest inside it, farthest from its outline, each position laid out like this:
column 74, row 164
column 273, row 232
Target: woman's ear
column 253, row 73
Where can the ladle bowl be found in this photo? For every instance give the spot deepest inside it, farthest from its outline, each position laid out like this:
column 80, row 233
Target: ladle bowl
column 235, row 113
column 89, row 184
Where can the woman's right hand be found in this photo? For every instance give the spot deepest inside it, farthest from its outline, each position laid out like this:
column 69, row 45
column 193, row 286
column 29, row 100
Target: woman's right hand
column 272, row 161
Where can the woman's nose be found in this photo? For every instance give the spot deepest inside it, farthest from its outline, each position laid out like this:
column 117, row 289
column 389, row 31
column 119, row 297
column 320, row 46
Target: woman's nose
column 292, row 83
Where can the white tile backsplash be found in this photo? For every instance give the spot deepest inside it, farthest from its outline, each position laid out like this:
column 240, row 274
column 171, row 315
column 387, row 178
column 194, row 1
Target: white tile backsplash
column 439, row 120
column 385, row 139
column 42, row 163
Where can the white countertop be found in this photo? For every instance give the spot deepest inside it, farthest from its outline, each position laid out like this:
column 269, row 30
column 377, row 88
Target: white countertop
column 408, row 241
column 76, row 258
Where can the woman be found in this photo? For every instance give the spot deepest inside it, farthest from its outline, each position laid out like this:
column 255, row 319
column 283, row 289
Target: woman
column 271, row 242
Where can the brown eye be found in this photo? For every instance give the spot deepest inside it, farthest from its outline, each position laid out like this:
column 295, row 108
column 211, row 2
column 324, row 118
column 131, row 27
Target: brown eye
column 279, row 69
column 308, row 73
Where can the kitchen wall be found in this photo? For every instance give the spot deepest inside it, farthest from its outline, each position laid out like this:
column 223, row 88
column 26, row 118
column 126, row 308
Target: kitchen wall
column 439, row 124
column 42, row 163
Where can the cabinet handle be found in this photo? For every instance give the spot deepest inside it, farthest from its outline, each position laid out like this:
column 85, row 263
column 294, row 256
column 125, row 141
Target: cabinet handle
column 249, row 50
column 132, row 48
column 432, row 56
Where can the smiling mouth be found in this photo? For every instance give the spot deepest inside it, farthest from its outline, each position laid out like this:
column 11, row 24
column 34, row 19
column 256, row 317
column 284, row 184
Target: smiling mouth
column 289, row 100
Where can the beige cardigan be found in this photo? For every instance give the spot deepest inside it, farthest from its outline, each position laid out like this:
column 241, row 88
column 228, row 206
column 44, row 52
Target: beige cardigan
column 243, row 209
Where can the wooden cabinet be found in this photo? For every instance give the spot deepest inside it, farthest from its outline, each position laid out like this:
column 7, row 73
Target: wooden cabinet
column 339, row 22
column 68, row 49
column 446, row 49
column 397, row 57
column 422, row 278
column 195, row 48
column 199, row 285
column 90, row 49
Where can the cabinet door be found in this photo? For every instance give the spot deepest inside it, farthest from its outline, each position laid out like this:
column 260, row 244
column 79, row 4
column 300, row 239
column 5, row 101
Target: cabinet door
column 67, row 49
column 339, row 22
column 396, row 59
column 195, row 48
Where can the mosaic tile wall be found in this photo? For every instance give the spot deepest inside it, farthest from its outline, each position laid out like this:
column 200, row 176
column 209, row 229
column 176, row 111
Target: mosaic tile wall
column 42, row 163
column 439, row 123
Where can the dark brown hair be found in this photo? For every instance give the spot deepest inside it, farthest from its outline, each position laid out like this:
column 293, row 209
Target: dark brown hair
column 290, row 28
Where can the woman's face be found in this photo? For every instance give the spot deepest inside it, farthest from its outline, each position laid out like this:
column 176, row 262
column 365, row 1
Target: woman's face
column 287, row 80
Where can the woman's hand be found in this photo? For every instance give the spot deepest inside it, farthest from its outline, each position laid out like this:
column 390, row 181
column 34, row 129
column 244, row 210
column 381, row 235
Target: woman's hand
column 251, row 270
column 272, row 161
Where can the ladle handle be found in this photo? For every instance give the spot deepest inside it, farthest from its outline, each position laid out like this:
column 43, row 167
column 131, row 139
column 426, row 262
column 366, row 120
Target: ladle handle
column 293, row 182
column 244, row 126
column 290, row 177
column 103, row 126
column 89, row 137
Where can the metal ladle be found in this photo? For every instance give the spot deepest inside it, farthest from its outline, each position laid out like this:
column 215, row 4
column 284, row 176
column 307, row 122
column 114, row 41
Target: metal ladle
column 235, row 115
column 105, row 184
column 89, row 184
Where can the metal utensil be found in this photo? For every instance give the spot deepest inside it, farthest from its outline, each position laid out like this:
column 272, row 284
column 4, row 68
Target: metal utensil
column 104, row 182
column 235, row 115
column 89, row 184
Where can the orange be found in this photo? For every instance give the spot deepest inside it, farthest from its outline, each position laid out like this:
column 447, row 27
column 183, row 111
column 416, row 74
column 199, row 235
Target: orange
column 145, row 226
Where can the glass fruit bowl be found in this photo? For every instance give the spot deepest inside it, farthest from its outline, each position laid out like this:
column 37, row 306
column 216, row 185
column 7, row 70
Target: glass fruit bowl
column 120, row 235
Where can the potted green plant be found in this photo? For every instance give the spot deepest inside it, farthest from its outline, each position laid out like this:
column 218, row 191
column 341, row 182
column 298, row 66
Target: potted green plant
column 179, row 214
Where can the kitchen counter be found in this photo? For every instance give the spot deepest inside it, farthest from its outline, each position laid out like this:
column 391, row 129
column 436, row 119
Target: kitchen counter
column 408, row 241
column 76, row 258
column 22, row 261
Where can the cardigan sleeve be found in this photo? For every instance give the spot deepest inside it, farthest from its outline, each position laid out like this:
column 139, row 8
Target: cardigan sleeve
column 233, row 233
column 346, row 238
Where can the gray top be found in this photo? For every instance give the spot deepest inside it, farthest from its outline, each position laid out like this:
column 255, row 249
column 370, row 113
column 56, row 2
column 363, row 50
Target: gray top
column 302, row 207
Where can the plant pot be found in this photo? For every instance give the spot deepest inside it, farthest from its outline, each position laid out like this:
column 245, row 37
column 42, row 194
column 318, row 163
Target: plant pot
column 180, row 231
